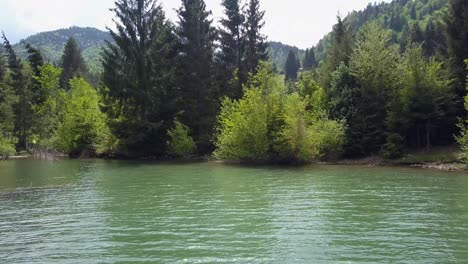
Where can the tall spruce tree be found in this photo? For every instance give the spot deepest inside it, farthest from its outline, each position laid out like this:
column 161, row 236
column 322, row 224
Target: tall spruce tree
column 35, row 60
column 139, row 74
column 291, row 66
column 341, row 46
column 256, row 46
column 232, row 36
column 339, row 51
column 373, row 63
column 72, row 62
column 456, row 23
column 196, row 37
column 18, row 82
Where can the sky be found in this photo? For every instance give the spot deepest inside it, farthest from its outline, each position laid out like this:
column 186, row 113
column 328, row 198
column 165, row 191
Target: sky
column 301, row 23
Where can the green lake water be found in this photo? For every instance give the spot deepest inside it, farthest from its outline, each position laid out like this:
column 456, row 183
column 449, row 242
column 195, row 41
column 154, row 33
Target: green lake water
column 130, row 212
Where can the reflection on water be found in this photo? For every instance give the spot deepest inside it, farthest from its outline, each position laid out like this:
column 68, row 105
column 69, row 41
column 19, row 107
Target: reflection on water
column 129, row 212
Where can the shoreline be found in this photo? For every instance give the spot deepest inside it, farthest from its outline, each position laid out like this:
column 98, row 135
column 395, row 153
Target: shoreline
column 372, row 161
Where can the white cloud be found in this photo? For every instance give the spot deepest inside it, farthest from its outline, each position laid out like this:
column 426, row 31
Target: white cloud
column 298, row 22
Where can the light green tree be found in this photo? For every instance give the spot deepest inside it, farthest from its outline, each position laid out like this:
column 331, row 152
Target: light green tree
column 47, row 112
column 180, row 144
column 83, row 128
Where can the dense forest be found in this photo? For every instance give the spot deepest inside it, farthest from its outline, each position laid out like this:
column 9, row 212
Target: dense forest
column 386, row 80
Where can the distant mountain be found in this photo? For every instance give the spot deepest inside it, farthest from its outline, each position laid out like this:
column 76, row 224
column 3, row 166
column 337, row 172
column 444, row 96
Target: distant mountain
column 92, row 40
column 278, row 53
column 51, row 44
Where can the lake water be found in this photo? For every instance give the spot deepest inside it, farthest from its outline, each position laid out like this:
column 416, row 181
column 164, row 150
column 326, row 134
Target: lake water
column 130, row 212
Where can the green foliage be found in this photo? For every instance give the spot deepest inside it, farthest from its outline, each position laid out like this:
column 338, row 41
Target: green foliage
column 83, row 127
column 456, row 25
column 462, row 139
column 267, row 125
column 373, row 63
column 48, row 112
column 426, row 98
column 180, row 144
column 246, row 126
column 7, row 148
column 393, row 148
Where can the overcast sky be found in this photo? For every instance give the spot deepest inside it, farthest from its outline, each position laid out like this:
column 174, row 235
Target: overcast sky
column 296, row 22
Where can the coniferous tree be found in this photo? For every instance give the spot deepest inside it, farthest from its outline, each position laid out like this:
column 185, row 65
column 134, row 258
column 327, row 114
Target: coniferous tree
column 22, row 108
column 309, row 62
column 456, row 23
column 232, row 36
column 3, row 66
column 373, row 63
column 256, row 46
column 291, row 66
column 339, row 51
column 196, row 37
column 434, row 40
column 35, row 61
column 416, row 34
column 139, row 74
column 72, row 62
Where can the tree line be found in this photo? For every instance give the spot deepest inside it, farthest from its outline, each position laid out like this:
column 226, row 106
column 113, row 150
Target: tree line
column 189, row 88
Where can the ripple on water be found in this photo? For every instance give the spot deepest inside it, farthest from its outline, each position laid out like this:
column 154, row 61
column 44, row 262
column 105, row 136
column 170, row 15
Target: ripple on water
column 120, row 212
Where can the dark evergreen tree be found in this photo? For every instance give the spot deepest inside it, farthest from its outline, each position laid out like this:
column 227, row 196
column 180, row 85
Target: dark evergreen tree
column 35, row 61
column 256, row 46
column 456, row 22
column 434, row 40
column 416, row 35
column 3, row 66
column 196, row 37
column 232, row 36
column 72, row 62
column 340, row 49
column 139, row 74
column 18, row 82
column 309, row 62
column 291, row 66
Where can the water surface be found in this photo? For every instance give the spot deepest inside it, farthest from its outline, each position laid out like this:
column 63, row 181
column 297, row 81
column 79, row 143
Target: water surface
column 129, row 212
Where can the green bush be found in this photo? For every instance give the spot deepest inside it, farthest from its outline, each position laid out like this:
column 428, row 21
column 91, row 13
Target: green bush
column 267, row 124
column 7, row 148
column 180, row 144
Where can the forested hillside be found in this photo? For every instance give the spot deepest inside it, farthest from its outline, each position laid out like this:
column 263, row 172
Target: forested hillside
column 278, row 53
column 92, row 40
column 421, row 18
column 51, row 45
